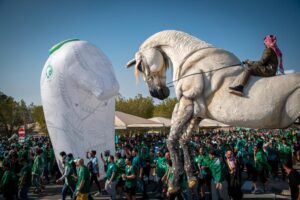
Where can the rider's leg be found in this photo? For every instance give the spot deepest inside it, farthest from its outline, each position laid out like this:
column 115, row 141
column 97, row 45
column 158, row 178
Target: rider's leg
column 240, row 82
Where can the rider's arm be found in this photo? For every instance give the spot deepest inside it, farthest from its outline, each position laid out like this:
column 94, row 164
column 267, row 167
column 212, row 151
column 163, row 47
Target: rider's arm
column 265, row 58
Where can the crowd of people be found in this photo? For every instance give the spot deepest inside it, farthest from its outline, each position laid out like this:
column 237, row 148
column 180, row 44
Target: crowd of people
column 222, row 161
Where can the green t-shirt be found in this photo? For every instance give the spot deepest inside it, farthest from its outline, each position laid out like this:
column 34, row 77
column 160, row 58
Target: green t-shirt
column 37, row 165
column 169, row 174
column 111, row 168
column 202, row 160
column 130, row 170
column 45, row 156
column 120, row 164
column 7, row 179
column 69, row 180
column 218, row 170
column 137, row 162
column 261, row 161
column 83, row 175
column 25, row 176
column 285, row 152
column 161, row 166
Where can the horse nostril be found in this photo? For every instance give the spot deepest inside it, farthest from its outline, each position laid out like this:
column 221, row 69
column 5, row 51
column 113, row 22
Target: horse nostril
column 151, row 92
column 166, row 91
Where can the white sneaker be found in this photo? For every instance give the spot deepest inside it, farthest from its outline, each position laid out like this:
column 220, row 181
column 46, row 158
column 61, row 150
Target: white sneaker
column 97, row 194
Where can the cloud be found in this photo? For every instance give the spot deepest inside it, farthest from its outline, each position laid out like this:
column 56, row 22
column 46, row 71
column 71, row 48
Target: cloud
column 289, row 71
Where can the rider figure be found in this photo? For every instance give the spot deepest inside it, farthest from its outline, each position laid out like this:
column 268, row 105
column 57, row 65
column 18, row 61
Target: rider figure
column 267, row 66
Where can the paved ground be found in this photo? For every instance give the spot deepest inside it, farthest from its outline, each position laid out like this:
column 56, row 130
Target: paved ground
column 277, row 189
column 52, row 192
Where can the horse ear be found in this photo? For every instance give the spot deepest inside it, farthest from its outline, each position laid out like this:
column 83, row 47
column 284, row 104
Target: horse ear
column 131, row 63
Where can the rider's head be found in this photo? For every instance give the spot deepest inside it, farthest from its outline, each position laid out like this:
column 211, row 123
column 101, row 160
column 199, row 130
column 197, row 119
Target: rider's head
column 270, row 41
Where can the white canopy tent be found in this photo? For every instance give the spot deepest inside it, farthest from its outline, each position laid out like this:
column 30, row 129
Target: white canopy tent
column 163, row 120
column 124, row 121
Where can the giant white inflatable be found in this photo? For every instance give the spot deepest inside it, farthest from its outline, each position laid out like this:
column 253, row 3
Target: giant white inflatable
column 78, row 88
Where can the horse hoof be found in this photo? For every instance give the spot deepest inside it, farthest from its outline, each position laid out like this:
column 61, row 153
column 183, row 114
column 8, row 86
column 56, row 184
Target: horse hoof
column 173, row 189
column 192, row 183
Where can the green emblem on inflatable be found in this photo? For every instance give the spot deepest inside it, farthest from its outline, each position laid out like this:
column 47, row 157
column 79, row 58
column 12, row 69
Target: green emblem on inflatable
column 49, row 72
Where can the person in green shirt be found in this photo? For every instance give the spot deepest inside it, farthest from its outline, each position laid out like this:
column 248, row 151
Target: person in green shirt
column 285, row 154
column 7, row 182
column 201, row 161
column 261, row 165
column 219, row 185
column 51, row 160
column 83, row 181
column 68, row 176
column 168, row 177
column 273, row 158
column 138, row 163
column 130, row 179
column 161, row 167
column 120, row 164
column 111, row 178
column 37, row 169
column 24, row 180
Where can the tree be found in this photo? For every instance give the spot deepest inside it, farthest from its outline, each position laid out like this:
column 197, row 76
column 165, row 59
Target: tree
column 10, row 117
column 139, row 105
column 39, row 117
column 165, row 108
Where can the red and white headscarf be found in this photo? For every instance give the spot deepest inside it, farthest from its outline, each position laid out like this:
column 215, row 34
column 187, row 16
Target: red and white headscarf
column 270, row 42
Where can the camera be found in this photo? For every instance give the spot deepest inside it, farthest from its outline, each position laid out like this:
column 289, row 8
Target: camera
column 106, row 153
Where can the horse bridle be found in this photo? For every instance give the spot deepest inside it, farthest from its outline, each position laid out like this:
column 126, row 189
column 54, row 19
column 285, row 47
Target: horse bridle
column 146, row 66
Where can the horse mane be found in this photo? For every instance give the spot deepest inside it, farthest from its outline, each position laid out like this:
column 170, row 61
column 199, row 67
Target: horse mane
column 175, row 39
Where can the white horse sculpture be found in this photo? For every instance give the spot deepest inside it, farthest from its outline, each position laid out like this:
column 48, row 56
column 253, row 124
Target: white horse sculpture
column 202, row 74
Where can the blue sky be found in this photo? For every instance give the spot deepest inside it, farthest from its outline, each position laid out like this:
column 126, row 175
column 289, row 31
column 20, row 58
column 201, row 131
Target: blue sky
column 28, row 29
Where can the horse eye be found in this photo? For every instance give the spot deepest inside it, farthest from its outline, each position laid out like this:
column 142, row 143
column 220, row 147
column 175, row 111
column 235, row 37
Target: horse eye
column 139, row 67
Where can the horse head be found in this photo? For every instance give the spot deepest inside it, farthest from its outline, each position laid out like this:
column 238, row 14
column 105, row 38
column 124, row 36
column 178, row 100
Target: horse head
column 152, row 63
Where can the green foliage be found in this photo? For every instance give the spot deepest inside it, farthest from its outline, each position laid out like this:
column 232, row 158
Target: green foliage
column 12, row 114
column 165, row 108
column 144, row 106
column 139, row 105
column 38, row 116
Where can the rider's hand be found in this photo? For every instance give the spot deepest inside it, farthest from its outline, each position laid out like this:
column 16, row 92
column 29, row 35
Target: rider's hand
column 245, row 61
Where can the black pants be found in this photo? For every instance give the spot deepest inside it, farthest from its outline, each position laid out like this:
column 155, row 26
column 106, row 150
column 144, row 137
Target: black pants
column 283, row 173
column 274, row 167
column 174, row 195
column 95, row 179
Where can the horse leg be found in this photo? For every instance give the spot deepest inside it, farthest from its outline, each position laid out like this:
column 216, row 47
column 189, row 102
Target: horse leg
column 182, row 114
column 184, row 143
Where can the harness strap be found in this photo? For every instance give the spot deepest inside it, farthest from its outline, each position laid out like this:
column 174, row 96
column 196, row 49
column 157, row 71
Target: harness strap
column 234, row 65
column 189, row 55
